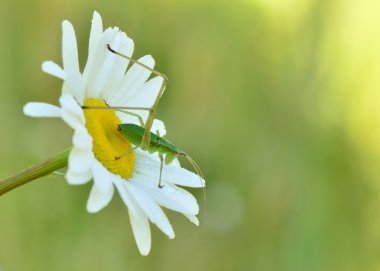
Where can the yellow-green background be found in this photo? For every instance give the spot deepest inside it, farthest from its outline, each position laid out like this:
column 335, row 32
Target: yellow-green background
column 278, row 102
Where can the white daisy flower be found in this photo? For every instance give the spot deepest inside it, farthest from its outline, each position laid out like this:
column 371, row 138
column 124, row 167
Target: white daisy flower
column 96, row 140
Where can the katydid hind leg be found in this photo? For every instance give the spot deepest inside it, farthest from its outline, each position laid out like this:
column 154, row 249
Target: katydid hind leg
column 152, row 114
column 145, row 142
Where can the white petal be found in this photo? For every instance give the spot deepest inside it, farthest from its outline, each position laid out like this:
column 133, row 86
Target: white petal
column 71, row 112
column 95, row 57
column 78, row 178
column 116, row 76
column 141, row 229
column 34, row 109
column 176, row 162
column 74, row 86
column 135, row 79
column 148, row 93
column 99, row 198
column 69, row 48
column 81, row 139
column 182, row 176
column 153, row 211
column 102, row 177
column 149, row 165
column 53, row 69
column 193, row 219
column 137, row 74
column 125, row 194
column 158, row 125
column 102, row 64
column 144, row 157
column 80, row 161
column 169, row 196
column 96, row 32
column 139, row 220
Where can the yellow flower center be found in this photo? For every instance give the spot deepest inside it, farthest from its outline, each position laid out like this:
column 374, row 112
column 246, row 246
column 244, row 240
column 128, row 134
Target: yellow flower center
column 108, row 143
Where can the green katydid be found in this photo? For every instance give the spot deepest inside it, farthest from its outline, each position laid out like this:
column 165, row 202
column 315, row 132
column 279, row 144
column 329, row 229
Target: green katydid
column 141, row 136
column 135, row 133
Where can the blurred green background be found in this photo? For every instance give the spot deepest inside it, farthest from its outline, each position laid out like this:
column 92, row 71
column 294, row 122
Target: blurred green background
column 278, row 102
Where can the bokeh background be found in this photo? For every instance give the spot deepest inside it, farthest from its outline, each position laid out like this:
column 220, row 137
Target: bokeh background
column 278, row 102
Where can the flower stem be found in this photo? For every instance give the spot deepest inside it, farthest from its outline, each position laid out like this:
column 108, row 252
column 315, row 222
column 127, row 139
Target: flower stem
column 34, row 172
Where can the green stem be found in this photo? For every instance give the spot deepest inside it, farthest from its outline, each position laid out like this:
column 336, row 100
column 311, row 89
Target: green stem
column 34, row 172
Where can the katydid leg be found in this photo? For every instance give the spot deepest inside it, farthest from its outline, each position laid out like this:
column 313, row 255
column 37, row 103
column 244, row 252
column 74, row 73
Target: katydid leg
column 126, row 153
column 161, row 160
column 141, row 121
column 152, row 112
column 161, row 166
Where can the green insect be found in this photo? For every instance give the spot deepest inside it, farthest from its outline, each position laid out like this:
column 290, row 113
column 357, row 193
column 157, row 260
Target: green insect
column 135, row 133
column 141, row 136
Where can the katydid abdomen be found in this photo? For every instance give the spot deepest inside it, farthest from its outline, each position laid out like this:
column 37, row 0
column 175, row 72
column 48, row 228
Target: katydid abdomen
column 135, row 133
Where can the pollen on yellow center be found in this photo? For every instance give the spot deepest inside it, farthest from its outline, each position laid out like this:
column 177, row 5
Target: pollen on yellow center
column 108, row 143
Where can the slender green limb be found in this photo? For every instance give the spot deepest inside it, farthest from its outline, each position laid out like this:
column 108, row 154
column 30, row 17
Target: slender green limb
column 34, row 172
column 138, row 63
column 152, row 113
column 161, row 160
column 126, row 153
column 161, row 167
column 141, row 121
